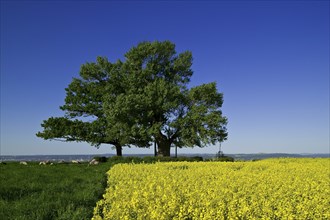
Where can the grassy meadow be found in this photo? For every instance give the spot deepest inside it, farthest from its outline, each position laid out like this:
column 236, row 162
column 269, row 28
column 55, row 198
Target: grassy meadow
column 59, row 191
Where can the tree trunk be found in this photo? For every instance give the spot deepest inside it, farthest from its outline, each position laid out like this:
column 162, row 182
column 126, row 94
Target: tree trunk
column 155, row 149
column 119, row 150
column 164, row 148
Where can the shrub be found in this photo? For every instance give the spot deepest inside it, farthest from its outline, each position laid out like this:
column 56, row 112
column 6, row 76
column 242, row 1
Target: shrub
column 151, row 159
column 101, row 159
column 223, row 159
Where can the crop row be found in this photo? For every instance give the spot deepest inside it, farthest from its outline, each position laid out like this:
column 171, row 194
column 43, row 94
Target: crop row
column 267, row 189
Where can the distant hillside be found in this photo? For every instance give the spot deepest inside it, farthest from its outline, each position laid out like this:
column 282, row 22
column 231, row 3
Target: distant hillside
column 87, row 157
column 262, row 156
column 276, row 155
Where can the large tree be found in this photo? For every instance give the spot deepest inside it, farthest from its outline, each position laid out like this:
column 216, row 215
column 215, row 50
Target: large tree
column 142, row 99
column 157, row 104
column 84, row 119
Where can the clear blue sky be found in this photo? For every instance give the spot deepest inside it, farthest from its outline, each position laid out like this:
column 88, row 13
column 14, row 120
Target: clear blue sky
column 269, row 58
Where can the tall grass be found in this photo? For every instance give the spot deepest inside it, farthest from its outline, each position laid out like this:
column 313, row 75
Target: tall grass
column 60, row 191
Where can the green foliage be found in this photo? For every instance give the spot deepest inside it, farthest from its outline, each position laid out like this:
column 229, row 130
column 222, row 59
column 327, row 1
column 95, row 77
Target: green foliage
column 226, row 159
column 157, row 104
column 100, row 159
column 203, row 123
column 149, row 159
column 84, row 100
column 60, row 191
column 142, row 99
column 223, row 159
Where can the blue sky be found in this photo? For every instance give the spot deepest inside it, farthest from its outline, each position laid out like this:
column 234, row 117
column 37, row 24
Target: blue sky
column 269, row 58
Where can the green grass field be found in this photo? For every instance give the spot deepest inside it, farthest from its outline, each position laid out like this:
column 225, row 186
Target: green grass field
column 60, row 191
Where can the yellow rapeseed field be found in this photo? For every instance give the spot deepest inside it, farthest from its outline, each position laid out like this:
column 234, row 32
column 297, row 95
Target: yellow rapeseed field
column 266, row 189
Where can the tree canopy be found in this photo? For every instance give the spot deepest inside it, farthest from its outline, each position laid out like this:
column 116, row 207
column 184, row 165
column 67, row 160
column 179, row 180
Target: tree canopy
column 140, row 100
column 84, row 119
